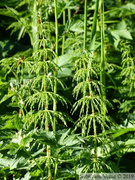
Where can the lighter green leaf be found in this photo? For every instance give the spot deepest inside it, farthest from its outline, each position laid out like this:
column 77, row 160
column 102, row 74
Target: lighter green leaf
column 122, row 131
column 130, row 142
column 17, row 163
column 64, row 60
column 78, row 26
column 27, row 176
column 5, row 162
column 129, row 6
column 64, row 72
column 7, row 96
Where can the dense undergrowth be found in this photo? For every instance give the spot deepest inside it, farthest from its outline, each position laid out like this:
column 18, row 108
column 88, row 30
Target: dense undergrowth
column 67, row 88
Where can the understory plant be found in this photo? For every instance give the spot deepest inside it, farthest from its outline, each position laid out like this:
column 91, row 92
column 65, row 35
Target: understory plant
column 69, row 100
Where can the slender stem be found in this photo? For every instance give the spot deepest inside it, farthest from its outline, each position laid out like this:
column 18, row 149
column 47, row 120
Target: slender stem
column 56, row 62
column 34, row 27
column 102, row 65
column 85, row 24
column 48, row 151
column 63, row 38
column 5, row 177
column 84, row 47
column 36, row 162
column 69, row 14
column 94, row 26
column 56, row 168
column 95, row 143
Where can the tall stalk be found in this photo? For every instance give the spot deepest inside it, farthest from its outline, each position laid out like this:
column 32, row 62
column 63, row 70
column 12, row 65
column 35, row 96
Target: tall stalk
column 102, row 64
column 85, row 25
column 94, row 26
column 56, row 62
column 48, row 151
column 63, row 38
column 84, row 47
column 69, row 13
column 5, row 177
column 55, row 169
column 34, row 27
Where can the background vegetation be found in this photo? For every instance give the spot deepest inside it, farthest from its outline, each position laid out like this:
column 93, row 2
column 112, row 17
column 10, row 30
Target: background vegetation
column 67, row 88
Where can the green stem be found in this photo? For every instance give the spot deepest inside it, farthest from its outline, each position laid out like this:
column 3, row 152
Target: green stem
column 94, row 26
column 49, row 161
column 56, row 168
column 102, row 65
column 63, row 38
column 34, row 27
column 56, row 62
column 69, row 14
column 36, row 162
column 48, row 150
column 5, row 177
column 85, row 25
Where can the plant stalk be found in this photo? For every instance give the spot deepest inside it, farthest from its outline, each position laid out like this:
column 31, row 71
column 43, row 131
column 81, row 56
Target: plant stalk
column 102, row 64
column 56, row 62
column 85, row 25
column 63, row 38
column 94, row 26
column 34, row 37
column 5, row 177
column 48, row 151
column 36, row 162
column 69, row 14
column 56, row 168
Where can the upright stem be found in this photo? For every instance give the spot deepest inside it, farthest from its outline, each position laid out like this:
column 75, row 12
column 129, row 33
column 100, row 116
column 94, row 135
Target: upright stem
column 85, row 25
column 36, row 162
column 63, row 38
column 48, row 151
column 56, row 168
column 34, row 27
column 102, row 65
column 69, row 14
column 5, row 177
column 84, row 47
column 56, row 62
column 94, row 26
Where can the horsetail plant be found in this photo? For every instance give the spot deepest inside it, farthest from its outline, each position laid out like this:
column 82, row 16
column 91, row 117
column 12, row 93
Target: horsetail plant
column 103, row 63
column 34, row 26
column 94, row 26
column 89, row 89
column 85, row 24
column 56, row 62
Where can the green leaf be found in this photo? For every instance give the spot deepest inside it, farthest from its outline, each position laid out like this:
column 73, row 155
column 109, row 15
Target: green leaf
column 5, row 162
column 120, row 32
column 18, row 163
column 122, row 131
column 64, row 60
column 64, row 72
column 9, row 12
column 130, row 7
column 35, row 173
column 47, row 137
column 77, row 26
column 130, row 142
column 61, row 135
column 7, row 96
column 27, row 176
column 8, row 3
